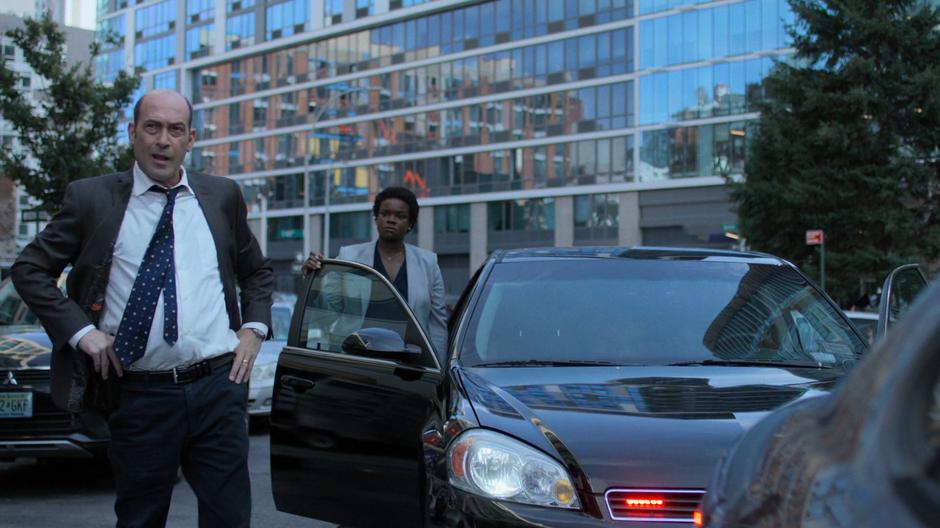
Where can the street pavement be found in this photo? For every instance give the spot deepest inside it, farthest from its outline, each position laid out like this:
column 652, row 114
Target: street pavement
column 65, row 494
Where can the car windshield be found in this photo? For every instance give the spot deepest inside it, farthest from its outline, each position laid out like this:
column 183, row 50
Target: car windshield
column 654, row 312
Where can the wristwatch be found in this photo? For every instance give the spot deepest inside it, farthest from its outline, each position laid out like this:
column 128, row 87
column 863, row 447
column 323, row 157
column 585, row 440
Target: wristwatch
column 258, row 333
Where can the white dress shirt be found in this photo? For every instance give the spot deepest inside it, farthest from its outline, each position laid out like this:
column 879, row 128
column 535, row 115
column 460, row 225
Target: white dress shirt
column 202, row 319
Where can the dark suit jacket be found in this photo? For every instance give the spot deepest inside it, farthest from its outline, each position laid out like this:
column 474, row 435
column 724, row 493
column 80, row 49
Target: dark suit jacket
column 83, row 234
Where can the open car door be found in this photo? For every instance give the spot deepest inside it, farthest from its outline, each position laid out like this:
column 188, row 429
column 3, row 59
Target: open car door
column 898, row 293
column 354, row 386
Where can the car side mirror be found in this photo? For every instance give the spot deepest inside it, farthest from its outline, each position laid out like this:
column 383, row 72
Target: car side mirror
column 898, row 294
column 379, row 341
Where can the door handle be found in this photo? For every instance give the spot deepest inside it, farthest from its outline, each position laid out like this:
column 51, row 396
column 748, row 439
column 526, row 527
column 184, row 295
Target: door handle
column 298, row 384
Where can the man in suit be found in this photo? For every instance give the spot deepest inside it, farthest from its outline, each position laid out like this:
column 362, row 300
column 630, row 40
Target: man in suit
column 151, row 333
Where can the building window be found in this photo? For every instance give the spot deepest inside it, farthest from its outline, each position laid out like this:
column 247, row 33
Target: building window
column 156, row 53
column 199, row 41
column 286, row 19
column 199, row 10
column 110, row 33
column 109, row 64
column 7, row 141
column 522, row 215
column 286, row 228
column 365, row 8
column 238, row 5
column 682, row 152
column 165, row 81
column 351, row 226
column 156, row 19
column 332, row 12
column 25, row 82
column 9, row 51
column 452, row 218
column 596, row 210
column 732, row 29
column 398, row 4
column 240, row 31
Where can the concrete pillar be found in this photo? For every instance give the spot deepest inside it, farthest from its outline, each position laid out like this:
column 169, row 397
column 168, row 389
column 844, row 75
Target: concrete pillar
column 426, row 228
column 316, row 14
column 314, row 234
column 218, row 29
column 630, row 233
column 564, row 221
column 180, row 35
column 478, row 233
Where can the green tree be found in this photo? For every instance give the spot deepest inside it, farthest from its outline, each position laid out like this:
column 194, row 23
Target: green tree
column 848, row 142
column 69, row 130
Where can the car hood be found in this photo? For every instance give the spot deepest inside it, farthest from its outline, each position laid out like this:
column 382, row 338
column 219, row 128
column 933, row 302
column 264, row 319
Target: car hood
column 24, row 347
column 635, row 426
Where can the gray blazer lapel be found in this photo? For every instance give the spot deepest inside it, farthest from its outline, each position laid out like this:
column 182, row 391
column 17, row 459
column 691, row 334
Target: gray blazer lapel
column 414, row 272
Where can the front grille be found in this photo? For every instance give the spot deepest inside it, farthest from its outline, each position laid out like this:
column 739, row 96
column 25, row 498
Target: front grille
column 653, row 505
column 44, row 422
column 27, row 376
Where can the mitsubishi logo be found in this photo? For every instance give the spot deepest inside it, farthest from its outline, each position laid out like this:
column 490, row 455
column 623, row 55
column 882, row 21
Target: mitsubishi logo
column 10, row 379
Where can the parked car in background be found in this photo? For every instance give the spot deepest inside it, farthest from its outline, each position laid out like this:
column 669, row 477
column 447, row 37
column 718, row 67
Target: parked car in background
column 261, row 382
column 868, row 454
column 865, row 322
column 581, row 387
column 30, row 425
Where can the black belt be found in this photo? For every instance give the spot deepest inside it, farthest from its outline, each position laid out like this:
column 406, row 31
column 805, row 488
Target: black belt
column 180, row 375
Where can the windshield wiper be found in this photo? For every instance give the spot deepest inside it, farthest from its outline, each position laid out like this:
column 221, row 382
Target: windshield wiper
column 548, row 363
column 751, row 362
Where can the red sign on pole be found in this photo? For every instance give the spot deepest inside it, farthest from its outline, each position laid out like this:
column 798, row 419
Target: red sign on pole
column 814, row 237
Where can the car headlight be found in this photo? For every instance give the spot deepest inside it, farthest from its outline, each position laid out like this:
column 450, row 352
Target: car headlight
column 488, row 463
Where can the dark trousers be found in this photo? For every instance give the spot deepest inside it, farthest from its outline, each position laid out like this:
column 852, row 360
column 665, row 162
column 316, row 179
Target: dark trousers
column 201, row 426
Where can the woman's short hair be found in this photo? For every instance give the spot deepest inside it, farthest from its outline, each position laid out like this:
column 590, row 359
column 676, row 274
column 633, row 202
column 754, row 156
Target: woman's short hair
column 402, row 194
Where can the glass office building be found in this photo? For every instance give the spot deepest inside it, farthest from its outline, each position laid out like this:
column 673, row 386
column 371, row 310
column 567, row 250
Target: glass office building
column 517, row 122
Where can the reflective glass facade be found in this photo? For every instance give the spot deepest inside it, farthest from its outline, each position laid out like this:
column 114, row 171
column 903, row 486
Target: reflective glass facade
column 526, row 122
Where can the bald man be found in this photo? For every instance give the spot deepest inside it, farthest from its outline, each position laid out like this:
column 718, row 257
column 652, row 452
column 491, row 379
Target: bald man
column 151, row 335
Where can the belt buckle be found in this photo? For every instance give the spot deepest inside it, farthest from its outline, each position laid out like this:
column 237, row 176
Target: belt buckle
column 175, row 378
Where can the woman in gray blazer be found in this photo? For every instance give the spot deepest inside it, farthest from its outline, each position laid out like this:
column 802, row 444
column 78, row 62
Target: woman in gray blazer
column 413, row 271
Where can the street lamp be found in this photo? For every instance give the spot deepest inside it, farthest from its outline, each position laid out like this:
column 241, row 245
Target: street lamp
column 317, row 115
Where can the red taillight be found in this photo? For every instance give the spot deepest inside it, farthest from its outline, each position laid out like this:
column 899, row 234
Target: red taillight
column 697, row 518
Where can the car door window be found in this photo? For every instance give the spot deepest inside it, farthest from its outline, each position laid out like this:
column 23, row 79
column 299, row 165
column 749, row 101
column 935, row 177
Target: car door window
column 907, row 284
column 343, row 299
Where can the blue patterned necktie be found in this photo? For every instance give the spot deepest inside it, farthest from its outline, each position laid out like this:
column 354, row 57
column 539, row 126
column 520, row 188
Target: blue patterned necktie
column 157, row 273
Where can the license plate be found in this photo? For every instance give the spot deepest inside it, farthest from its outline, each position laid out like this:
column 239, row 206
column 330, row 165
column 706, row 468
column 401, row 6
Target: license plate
column 16, row 404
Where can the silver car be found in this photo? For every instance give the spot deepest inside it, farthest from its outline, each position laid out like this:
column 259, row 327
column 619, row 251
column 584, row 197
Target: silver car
column 261, row 384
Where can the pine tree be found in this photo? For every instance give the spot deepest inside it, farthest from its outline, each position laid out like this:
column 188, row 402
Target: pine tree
column 71, row 132
column 849, row 142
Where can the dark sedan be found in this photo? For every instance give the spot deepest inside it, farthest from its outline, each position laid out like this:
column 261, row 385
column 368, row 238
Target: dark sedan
column 30, row 424
column 581, row 387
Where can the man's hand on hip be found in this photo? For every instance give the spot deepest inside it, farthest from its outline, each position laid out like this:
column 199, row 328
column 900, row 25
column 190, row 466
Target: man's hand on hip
column 99, row 347
column 245, row 353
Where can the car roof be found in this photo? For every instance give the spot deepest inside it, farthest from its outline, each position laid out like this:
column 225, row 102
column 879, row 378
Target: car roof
column 634, row 252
